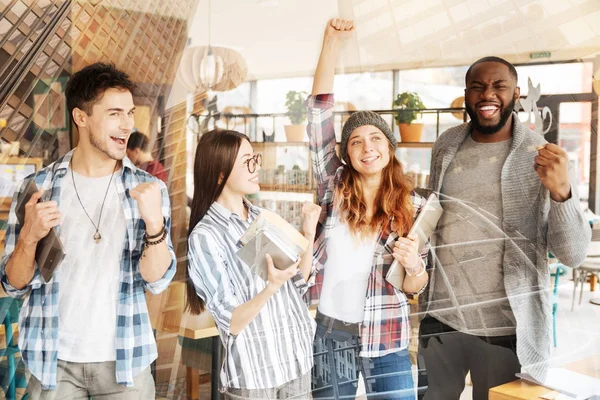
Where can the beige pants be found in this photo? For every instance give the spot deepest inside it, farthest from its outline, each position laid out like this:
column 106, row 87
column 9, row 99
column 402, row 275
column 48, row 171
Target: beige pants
column 82, row 380
column 299, row 389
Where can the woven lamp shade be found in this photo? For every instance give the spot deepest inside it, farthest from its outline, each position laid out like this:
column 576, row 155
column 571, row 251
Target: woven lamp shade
column 234, row 68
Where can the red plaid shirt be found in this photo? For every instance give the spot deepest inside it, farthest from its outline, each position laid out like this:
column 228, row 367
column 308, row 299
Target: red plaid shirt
column 385, row 326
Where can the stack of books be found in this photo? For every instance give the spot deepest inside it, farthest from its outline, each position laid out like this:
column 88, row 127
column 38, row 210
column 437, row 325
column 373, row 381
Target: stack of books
column 271, row 234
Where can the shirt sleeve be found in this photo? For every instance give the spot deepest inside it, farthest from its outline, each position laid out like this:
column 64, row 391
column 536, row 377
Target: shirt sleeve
column 300, row 283
column 321, row 134
column 419, row 203
column 210, row 275
column 10, row 242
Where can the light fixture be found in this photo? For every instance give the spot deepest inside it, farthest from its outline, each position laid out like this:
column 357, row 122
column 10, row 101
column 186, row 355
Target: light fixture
column 211, row 68
column 228, row 73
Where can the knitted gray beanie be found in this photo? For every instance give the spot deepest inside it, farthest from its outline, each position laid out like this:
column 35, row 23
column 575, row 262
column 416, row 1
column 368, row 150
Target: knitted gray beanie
column 361, row 118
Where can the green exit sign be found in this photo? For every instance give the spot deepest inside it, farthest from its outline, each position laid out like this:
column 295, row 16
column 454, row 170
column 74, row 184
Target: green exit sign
column 540, row 54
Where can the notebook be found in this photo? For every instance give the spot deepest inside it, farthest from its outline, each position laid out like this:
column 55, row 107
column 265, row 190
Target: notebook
column 423, row 227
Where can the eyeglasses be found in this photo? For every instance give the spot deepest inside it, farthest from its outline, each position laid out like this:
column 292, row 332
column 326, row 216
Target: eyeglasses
column 252, row 162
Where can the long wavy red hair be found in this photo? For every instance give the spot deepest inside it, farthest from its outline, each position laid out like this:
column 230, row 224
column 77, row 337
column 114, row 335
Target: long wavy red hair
column 392, row 200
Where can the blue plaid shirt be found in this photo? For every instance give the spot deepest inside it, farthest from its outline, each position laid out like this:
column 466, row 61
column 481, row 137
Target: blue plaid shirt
column 38, row 321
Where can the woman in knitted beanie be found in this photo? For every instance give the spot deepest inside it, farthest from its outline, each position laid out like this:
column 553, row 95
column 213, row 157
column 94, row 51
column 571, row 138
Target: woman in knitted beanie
column 368, row 207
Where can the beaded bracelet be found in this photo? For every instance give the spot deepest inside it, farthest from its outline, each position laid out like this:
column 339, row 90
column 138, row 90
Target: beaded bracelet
column 148, row 243
column 159, row 234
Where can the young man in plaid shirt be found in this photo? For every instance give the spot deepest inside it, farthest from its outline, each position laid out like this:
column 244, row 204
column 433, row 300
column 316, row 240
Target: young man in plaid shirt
column 86, row 332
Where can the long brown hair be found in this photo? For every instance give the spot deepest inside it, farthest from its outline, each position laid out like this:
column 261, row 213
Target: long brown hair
column 216, row 153
column 392, row 200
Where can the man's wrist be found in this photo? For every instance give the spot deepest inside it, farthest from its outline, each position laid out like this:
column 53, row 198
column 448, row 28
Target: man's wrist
column 27, row 242
column 154, row 227
column 561, row 195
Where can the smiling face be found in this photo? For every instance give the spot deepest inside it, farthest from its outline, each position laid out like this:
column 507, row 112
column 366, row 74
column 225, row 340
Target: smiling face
column 109, row 123
column 490, row 96
column 241, row 181
column 368, row 150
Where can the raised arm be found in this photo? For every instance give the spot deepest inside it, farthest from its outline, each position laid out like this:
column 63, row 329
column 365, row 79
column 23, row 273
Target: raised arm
column 320, row 106
column 336, row 31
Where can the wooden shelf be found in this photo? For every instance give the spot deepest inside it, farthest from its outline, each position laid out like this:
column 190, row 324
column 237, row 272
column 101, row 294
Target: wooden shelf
column 286, row 188
column 417, row 145
column 280, row 144
column 425, row 145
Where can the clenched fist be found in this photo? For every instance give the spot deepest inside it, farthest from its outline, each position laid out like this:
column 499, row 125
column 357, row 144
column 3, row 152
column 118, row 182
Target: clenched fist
column 311, row 213
column 339, row 28
column 552, row 166
column 149, row 202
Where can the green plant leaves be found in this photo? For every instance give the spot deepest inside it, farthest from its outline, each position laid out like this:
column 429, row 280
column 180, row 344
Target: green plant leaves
column 406, row 103
column 295, row 104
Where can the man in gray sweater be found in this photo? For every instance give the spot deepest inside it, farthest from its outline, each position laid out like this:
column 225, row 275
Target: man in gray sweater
column 507, row 200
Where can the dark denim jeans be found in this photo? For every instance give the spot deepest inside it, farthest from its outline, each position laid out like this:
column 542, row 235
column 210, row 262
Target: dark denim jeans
column 336, row 373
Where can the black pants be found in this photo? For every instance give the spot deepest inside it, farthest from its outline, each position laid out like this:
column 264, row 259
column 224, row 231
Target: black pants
column 449, row 355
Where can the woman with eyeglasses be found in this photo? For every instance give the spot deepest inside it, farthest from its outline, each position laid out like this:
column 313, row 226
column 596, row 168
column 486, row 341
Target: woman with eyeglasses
column 265, row 326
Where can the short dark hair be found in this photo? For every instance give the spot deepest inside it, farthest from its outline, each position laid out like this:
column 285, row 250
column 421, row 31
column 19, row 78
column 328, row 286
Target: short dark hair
column 511, row 68
column 87, row 86
column 137, row 140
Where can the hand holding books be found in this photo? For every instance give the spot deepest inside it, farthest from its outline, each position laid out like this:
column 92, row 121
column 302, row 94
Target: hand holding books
column 37, row 217
column 276, row 278
column 270, row 234
column 406, row 252
column 38, row 220
column 422, row 229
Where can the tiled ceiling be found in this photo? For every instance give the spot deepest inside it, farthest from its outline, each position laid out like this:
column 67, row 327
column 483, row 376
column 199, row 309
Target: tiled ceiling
column 282, row 37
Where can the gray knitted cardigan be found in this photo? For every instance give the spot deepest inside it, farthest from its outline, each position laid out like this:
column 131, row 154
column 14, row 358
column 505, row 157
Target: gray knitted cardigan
column 536, row 224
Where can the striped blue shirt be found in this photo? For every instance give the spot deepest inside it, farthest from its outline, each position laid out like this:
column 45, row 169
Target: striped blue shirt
column 38, row 321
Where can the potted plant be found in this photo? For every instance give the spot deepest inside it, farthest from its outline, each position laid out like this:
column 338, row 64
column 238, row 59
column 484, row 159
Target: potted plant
column 407, row 104
column 296, row 111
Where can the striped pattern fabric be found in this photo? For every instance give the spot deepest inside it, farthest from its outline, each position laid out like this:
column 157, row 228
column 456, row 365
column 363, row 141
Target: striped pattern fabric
column 38, row 321
column 385, row 327
column 275, row 347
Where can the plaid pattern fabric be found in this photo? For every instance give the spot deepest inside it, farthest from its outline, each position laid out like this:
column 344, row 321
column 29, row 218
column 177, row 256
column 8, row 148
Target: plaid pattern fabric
column 385, row 327
column 38, row 321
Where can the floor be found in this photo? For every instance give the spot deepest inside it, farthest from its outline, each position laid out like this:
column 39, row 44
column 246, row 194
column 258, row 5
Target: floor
column 577, row 339
column 577, row 329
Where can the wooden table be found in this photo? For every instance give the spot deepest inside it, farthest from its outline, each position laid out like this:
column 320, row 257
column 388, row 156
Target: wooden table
column 523, row 390
column 201, row 327
column 198, row 327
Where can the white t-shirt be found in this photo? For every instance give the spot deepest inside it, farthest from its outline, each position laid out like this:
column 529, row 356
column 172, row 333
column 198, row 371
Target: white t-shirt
column 347, row 269
column 89, row 275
